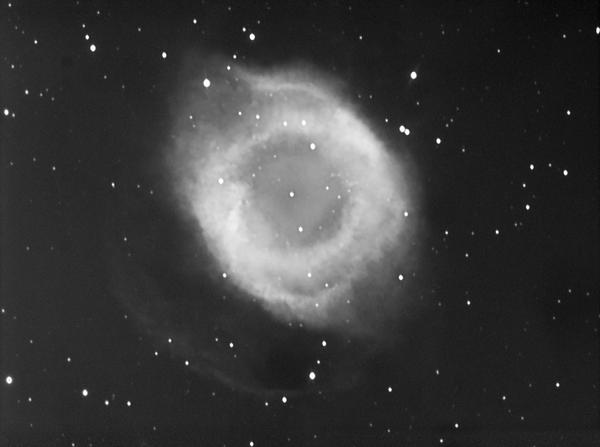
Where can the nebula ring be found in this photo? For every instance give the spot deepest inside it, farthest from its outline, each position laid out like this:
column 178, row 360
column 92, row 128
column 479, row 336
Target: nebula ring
column 348, row 204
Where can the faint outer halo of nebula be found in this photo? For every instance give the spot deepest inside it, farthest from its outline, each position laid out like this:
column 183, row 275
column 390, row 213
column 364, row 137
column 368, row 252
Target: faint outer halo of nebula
column 287, row 218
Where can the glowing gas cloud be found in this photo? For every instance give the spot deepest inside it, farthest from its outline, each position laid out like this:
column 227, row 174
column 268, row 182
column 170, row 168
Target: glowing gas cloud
column 303, row 208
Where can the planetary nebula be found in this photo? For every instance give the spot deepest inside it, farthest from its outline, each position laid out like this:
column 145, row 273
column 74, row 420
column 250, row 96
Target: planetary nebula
column 297, row 200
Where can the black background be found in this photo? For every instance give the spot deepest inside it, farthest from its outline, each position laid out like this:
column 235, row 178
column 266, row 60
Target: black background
column 503, row 345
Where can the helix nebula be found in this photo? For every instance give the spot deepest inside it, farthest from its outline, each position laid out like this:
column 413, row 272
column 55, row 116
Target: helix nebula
column 298, row 200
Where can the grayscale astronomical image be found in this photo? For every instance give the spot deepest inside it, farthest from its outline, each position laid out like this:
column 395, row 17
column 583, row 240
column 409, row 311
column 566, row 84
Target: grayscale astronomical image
column 299, row 223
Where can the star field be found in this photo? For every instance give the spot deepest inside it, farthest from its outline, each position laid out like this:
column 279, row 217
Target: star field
column 119, row 324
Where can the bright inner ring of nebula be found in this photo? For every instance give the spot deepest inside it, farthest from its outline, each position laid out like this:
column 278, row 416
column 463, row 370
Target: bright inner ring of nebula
column 297, row 199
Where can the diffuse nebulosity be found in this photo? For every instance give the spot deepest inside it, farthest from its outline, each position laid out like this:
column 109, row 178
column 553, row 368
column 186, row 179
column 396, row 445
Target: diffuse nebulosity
column 286, row 221
column 295, row 196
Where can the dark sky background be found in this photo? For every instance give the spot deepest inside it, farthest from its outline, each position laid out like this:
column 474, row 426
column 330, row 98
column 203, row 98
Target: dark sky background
column 108, row 328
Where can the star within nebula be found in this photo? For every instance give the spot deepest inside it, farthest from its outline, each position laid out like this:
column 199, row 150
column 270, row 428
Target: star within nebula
column 298, row 201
